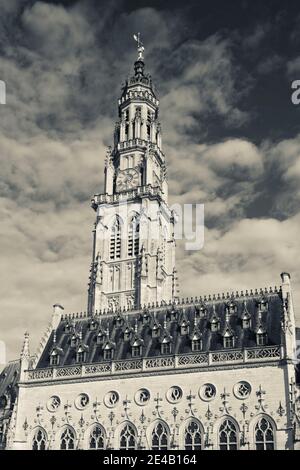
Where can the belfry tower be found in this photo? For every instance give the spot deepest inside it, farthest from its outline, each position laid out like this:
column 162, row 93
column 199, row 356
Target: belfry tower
column 133, row 261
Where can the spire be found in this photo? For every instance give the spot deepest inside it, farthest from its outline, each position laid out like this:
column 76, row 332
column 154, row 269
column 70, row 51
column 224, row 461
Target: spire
column 25, row 349
column 140, row 47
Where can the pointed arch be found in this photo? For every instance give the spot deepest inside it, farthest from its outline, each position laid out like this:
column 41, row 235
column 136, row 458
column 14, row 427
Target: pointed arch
column 67, row 438
column 39, row 439
column 96, row 439
column 133, row 238
column 264, row 430
column 192, row 434
column 128, row 437
column 115, row 240
column 159, row 435
column 228, row 434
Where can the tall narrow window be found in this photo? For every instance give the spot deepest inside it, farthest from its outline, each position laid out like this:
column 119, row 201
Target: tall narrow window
column 67, row 441
column 128, row 438
column 193, row 436
column 264, row 435
column 160, row 437
column 97, row 438
column 39, row 440
column 115, row 241
column 133, row 237
column 228, row 435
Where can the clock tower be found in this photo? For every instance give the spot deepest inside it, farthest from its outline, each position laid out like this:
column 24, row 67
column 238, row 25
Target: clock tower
column 133, row 261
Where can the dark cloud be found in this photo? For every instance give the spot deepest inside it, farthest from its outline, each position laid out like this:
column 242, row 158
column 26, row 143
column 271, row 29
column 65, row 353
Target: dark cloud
column 64, row 63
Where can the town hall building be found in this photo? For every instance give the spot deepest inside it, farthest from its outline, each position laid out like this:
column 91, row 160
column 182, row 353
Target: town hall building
column 143, row 368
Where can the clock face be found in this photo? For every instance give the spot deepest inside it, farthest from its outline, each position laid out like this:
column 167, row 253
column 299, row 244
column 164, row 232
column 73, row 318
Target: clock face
column 127, row 179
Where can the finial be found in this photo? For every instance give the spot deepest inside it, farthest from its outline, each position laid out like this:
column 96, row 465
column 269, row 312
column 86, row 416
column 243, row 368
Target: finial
column 25, row 349
column 140, row 46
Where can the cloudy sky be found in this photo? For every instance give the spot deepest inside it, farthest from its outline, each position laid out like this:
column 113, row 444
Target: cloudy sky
column 230, row 133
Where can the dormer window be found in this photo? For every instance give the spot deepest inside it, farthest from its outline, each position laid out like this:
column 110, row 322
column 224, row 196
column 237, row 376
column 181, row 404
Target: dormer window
column 93, row 325
column 81, row 355
column 108, row 354
column 263, row 305
column 228, row 342
column 261, row 339
column 136, row 351
column 127, row 333
column 54, row 359
column 172, row 314
column 101, row 337
column 67, row 327
column 215, row 324
column 74, row 340
column 166, row 348
column 119, row 320
column 232, row 308
column 184, row 328
column 155, row 330
column 145, row 318
column 246, row 323
column 196, row 344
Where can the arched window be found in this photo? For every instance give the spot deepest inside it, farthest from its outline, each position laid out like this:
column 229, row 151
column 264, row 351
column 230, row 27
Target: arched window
column 193, row 436
column 39, row 440
column 228, row 435
column 115, row 241
column 97, row 438
column 67, row 440
column 160, row 436
column 133, row 237
column 264, row 435
column 128, row 437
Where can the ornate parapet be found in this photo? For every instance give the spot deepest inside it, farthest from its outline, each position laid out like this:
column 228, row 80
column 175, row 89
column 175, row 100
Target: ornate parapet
column 142, row 191
column 266, row 354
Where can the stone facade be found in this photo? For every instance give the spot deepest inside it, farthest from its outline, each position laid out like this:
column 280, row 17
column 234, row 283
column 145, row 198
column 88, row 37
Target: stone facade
column 142, row 369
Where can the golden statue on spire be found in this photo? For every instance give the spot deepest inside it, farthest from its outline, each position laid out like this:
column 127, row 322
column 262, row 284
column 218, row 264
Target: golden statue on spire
column 140, row 46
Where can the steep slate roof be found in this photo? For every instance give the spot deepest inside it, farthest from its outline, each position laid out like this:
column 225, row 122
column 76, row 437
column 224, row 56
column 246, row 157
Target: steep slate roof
column 170, row 319
column 8, row 384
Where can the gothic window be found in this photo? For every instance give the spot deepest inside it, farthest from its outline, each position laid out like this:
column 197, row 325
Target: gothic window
column 115, row 241
column 160, row 436
column 264, row 435
column 97, row 438
column 133, row 237
column 128, row 438
column 193, row 436
column 39, row 440
column 67, row 441
column 228, row 435
column 166, row 348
